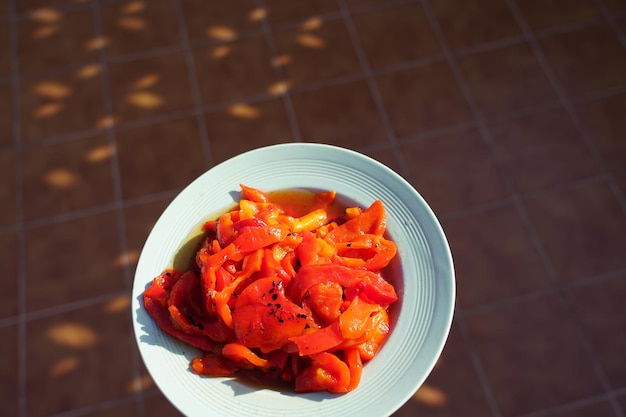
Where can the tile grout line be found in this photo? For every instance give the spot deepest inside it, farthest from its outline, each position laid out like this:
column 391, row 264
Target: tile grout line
column 280, row 75
column 573, row 405
column 564, row 100
column 118, row 193
column 556, row 289
column 568, row 106
column 610, row 20
column 373, row 89
column 149, row 53
column 195, row 86
column 22, row 371
column 485, row 135
column 477, row 363
column 177, row 114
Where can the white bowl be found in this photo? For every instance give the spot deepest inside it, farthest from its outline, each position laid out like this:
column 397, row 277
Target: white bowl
column 420, row 320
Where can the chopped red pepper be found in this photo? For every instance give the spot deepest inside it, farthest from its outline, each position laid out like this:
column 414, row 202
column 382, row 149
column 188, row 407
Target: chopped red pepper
column 302, row 299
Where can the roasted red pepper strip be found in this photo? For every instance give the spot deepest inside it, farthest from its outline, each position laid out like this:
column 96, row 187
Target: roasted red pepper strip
column 213, row 364
column 254, row 194
column 327, row 372
column 260, row 237
column 371, row 221
column 320, row 340
column 374, row 286
column 161, row 315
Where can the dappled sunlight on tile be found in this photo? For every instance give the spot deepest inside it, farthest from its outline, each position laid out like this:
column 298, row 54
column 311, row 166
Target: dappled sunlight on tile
column 221, row 51
column 146, row 81
column 126, row 258
column 281, row 60
column 257, row 14
column 145, row 100
column 72, row 335
column 280, row 87
column 106, row 122
column 61, row 178
column 139, row 384
column 43, row 32
column 134, row 7
column 96, row 43
column 47, row 110
column 46, row 15
column 430, row 396
column 99, row 153
column 131, row 23
column 64, row 366
column 118, row 304
column 244, row 111
column 89, row 71
column 221, row 33
column 311, row 23
column 52, row 90
column 311, row 41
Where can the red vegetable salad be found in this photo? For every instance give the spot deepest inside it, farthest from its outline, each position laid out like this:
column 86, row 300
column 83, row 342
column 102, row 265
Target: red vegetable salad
column 300, row 299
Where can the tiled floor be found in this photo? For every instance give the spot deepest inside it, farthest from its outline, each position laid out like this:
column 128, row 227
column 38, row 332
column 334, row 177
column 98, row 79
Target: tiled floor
column 509, row 116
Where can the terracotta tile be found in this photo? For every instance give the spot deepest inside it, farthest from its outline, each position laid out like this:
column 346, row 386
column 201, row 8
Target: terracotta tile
column 160, row 157
column 452, row 389
column 86, row 360
column 4, row 7
column 360, row 4
column 133, row 26
column 221, row 20
column 67, row 176
column 49, row 38
column 621, row 182
column 6, row 55
column 301, row 52
column 81, row 260
column 9, row 395
column 484, row 247
column 242, row 127
column 140, row 220
column 385, row 156
column 150, row 87
column 396, row 34
column 621, row 23
column 602, row 408
column 532, row 356
column 622, row 401
column 505, row 80
column 470, row 23
column 615, row 5
column 599, row 307
column 6, row 115
column 234, row 70
column 9, row 251
column 61, row 103
column 8, row 189
column 281, row 11
column 542, row 14
column 125, row 410
column 587, row 59
column 453, row 171
column 343, row 115
column 158, row 406
column 543, row 150
column 422, row 99
column 582, row 230
column 28, row 5
column 605, row 125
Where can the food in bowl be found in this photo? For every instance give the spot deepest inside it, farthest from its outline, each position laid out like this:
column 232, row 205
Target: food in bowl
column 292, row 290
